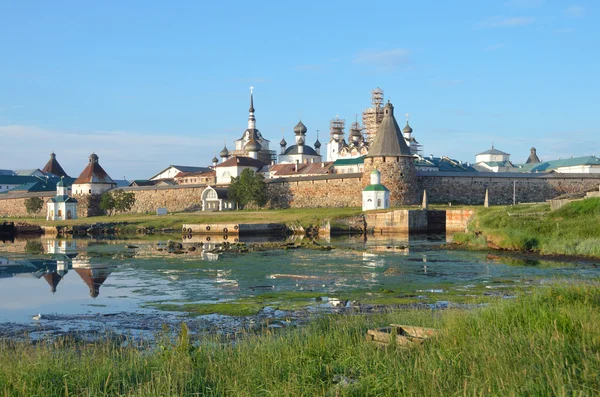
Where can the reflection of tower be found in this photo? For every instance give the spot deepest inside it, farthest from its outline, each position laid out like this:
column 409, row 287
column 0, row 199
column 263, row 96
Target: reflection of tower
column 93, row 275
column 372, row 116
column 52, row 279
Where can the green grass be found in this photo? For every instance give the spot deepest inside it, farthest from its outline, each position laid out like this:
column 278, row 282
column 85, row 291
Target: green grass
column 306, row 217
column 572, row 230
column 544, row 343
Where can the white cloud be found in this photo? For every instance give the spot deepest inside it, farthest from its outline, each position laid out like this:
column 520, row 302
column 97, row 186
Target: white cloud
column 501, row 22
column 386, row 59
column 133, row 154
column 575, row 11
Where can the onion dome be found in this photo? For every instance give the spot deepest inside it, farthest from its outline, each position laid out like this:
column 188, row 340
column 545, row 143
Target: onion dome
column 407, row 129
column 283, row 143
column 317, row 144
column 300, row 128
column 224, row 152
column 215, row 159
column 61, row 183
column 252, row 145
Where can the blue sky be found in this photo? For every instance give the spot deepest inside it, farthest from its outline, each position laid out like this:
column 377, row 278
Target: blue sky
column 146, row 84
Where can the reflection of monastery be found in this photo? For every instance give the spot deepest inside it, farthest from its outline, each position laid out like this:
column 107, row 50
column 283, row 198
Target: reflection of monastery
column 65, row 258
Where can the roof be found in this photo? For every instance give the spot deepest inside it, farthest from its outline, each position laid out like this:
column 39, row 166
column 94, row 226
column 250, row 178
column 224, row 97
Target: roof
column 389, row 140
column 62, row 199
column 53, row 167
column 6, row 172
column 28, row 172
column 533, row 158
column 94, row 173
column 375, row 188
column 547, row 166
column 16, row 179
column 279, row 170
column 241, row 161
column 188, row 174
column 444, row 164
column 182, row 168
column 354, row 161
column 493, row 151
column 294, row 150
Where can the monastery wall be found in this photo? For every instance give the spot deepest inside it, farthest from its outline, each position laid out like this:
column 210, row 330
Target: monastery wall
column 343, row 190
column 470, row 189
column 14, row 204
column 173, row 198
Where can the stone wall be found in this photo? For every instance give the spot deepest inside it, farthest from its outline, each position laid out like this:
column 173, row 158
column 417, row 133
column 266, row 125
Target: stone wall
column 13, row 205
column 398, row 174
column 470, row 189
column 173, row 198
column 343, row 190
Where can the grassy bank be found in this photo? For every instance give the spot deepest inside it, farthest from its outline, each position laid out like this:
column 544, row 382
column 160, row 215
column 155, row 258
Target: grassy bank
column 546, row 343
column 572, row 230
column 306, row 217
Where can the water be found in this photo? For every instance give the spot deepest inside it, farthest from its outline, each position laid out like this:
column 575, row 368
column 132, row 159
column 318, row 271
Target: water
column 97, row 285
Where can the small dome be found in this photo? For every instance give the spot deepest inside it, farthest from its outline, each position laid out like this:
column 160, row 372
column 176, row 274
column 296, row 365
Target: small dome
column 407, row 129
column 375, row 171
column 224, row 152
column 215, row 159
column 252, row 145
column 317, row 144
column 61, row 183
column 300, row 128
column 283, row 143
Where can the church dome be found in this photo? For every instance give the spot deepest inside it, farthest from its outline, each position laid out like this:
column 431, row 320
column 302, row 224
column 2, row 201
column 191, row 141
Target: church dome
column 215, row 159
column 300, row 128
column 317, row 144
column 61, row 183
column 252, row 145
column 407, row 129
column 283, row 143
column 224, row 152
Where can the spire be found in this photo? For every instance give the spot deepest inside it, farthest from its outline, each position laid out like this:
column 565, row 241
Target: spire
column 251, row 119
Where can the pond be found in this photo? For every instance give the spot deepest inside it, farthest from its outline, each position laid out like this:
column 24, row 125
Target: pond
column 136, row 285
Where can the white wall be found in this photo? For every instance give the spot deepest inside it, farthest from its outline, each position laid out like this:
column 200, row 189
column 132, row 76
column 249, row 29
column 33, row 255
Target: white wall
column 91, row 188
column 579, row 169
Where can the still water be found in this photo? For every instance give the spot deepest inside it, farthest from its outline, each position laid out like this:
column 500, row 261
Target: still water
column 80, row 284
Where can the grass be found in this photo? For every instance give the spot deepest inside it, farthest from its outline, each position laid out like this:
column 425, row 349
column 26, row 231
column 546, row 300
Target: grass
column 545, row 343
column 572, row 230
column 306, row 217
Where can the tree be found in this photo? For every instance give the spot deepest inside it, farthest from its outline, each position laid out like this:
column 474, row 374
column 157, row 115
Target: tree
column 117, row 201
column 34, row 205
column 248, row 188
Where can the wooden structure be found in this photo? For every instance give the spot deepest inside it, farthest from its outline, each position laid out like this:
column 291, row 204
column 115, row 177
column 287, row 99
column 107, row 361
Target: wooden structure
column 400, row 335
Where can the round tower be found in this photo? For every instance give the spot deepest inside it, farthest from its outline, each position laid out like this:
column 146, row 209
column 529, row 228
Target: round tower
column 391, row 156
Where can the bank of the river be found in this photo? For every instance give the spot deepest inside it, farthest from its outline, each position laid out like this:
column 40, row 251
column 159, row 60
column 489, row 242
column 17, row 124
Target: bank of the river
column 572, row 230
column 544, row 343
column 173, row 221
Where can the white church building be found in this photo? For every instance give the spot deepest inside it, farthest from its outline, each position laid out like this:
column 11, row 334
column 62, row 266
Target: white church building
column 63, row 206
column 375, row 196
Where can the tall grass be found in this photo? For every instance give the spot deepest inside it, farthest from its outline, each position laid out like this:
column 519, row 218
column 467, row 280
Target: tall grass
column 572, row 230
column 547, row 343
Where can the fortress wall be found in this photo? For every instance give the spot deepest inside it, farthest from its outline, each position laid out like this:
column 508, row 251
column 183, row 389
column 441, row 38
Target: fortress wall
column 14, row 204
column 331, row 191
column 471, row 189
column 173, row 198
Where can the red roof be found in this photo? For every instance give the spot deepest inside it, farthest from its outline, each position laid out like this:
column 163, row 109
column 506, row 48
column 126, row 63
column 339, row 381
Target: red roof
column 93, row 173
column 241, row 162
column 53, row 167
column 303, row 169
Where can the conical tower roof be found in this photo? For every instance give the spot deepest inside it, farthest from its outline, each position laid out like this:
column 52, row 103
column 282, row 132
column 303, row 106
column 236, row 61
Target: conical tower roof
column 93, row 173
column 389, row 140
column 533, row 158
column 53, row 167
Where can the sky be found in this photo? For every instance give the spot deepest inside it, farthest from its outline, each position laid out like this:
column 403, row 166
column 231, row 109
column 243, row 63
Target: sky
column 147, row 84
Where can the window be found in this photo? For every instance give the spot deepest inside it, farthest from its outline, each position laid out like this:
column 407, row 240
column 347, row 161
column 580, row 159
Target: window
column 69, row 215
column 378, row 202
column 59, row 213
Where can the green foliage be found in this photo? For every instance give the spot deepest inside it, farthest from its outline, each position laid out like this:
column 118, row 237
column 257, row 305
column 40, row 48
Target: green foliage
column 117, row 201
column 34, row 205
column 248, row 188
column 541, row 344
column 572, row 230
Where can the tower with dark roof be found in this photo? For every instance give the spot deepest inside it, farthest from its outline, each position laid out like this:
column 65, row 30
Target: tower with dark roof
column 533, row 158
column 391, row 156
column 53, row 167
column 252, row 133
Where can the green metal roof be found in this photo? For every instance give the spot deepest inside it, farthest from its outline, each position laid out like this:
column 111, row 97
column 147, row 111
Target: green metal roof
column 354, row 161
column 375, row 188
column 63, row 199
column 547, row 166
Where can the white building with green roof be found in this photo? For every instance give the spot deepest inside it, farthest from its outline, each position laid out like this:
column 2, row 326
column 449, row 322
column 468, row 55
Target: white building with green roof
column 375, row 196
column 62, row 206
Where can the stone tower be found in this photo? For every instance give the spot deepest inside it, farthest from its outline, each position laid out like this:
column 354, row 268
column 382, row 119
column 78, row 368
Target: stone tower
column 392, row 157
